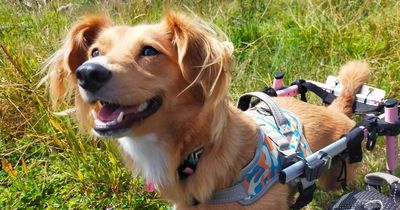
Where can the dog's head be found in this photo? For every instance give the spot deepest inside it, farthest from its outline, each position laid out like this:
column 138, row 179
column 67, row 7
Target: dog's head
column 134, row 80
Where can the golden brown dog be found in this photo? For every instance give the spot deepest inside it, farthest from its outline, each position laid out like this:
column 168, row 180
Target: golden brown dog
column 161, row 91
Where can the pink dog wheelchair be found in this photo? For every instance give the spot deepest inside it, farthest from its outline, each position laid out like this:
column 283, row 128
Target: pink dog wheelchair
column 380, row 118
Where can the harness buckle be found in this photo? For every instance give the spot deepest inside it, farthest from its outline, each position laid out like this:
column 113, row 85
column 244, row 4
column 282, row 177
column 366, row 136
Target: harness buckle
column 316, row 167
column 189, row 165
column 288, row 157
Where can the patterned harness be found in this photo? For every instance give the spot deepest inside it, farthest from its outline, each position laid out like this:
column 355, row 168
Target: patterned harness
column 280, row 141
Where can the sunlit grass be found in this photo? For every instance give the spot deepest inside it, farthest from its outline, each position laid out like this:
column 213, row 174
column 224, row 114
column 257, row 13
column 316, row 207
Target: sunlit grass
column 47, row 163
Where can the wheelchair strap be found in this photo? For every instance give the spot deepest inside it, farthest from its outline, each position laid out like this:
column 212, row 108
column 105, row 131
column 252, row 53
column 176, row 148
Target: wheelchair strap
column 328, row 98
column 377, row 179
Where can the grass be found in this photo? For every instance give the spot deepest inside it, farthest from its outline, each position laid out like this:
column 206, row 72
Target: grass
column 47, row 164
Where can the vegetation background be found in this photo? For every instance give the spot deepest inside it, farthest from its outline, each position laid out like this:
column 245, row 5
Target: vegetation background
column 47, row 164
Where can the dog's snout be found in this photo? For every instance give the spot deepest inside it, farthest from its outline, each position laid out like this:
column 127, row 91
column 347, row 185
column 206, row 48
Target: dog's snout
column 92, row 76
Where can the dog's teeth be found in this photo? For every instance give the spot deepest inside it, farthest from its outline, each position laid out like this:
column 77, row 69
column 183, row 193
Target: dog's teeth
column 102, row 124
column 112, row 122
column 94, row 114
column 99, row 123
column 120, row 116
column 142, row 107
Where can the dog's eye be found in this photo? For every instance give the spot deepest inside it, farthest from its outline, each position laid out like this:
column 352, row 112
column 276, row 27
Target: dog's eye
column 95, row 52
column 149, row 51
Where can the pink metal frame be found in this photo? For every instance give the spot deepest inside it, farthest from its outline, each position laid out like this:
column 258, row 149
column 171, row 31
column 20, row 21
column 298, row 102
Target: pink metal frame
column 391, row 115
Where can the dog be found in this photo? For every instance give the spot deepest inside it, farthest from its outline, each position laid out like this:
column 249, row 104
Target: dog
column 161, row 90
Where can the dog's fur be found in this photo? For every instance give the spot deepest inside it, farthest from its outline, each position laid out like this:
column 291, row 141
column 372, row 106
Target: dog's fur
column 191, row 73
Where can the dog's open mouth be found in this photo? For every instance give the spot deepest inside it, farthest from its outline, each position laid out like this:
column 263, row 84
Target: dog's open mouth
column 114, row 118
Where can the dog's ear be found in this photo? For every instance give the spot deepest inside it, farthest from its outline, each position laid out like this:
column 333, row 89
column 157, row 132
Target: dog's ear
column 62, row 64
column 204, row 57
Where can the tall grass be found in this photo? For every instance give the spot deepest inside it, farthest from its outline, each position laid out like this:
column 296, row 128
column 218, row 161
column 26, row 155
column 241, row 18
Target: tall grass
column 47, row 163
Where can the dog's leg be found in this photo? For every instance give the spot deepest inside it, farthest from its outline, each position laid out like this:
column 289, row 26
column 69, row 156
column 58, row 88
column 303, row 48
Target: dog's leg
column 329, row 180
column 323, row 130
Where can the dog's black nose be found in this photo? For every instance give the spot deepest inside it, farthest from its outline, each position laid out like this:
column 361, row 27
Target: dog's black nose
column 92, row 76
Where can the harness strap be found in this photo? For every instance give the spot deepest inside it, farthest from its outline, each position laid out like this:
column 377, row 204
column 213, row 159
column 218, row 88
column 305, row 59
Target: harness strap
column 228, row 195
column 280, row 139
column 238, row 192
column 280, row 119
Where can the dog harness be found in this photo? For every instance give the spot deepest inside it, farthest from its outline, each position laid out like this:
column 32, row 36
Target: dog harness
column 280, row 143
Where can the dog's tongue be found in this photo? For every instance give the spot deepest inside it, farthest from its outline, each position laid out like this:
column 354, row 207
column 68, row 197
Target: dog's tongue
column 110, row 112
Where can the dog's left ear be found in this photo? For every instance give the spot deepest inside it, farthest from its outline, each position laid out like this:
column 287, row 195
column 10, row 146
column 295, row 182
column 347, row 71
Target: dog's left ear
column 61, row 65
column 204, row 57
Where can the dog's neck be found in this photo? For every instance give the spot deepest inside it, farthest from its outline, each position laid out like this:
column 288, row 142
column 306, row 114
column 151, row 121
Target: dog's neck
column 222, row 159
column 151, row 157
column 219, row 166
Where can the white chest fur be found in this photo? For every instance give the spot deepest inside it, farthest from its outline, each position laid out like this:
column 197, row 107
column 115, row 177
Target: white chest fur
column 150, row 154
